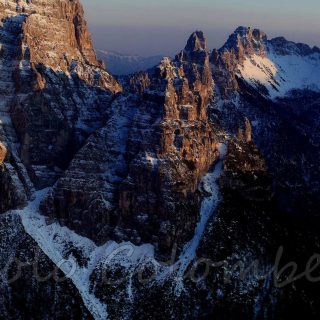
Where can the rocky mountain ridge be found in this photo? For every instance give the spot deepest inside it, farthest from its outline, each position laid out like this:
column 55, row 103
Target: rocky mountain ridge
column 169, row 145
column 274, row 67
column 191, row 159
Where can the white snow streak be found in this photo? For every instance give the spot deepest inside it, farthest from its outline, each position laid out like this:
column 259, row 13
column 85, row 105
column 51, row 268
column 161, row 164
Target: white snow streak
column 208, row 207
column 52, row 240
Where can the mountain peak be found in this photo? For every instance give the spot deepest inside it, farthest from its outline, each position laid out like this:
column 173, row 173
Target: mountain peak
column 196, row 49
column 250, row 33
column 196, row 42
column 246, row 41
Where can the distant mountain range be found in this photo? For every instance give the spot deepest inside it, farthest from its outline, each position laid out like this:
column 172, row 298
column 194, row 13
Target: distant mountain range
column 124, row 64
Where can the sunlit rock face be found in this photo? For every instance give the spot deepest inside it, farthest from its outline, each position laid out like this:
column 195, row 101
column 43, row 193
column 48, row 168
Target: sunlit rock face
column 3, row 153
column 162, row 181
column 54, row 31
column 54, row 92
column 246, row 42
column 150, row 158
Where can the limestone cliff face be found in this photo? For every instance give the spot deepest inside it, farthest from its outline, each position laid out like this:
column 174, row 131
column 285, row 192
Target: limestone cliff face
column 55, row 34
column 54, row 31
column 153, row 154
column 54, row 92
column 57, row 22
column 164, row 192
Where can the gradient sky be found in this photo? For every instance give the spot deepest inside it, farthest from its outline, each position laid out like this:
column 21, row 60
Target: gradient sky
column 152, row 27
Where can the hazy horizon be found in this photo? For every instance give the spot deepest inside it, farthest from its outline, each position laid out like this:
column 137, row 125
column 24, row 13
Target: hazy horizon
column 150, row 27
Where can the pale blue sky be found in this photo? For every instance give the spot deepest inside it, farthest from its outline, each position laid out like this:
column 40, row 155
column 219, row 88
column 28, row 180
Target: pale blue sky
column 149, row 27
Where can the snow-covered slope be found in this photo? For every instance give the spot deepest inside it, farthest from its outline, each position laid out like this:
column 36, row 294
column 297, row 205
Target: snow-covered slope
column 282, row 73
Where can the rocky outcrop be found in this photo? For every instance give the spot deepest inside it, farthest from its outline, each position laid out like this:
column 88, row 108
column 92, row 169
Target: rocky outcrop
column 248, row 131
column 246, row 42
column 3, row 153
column 243, row 43
column 54, row 32
column 164, row 192
column 54, row 91
column 161, row 144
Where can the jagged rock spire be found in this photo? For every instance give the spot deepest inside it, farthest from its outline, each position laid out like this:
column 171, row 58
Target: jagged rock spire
column 246, row 134
column 196, row 42
column 196, row 49
column 246, row 41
